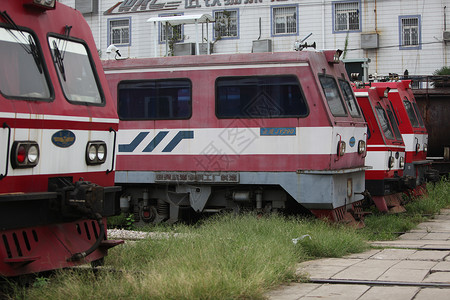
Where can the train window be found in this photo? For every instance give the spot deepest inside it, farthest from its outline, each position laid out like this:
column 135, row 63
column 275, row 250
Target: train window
column 260, row 97
column 398, row 135
column 334, row 99
column 23, row 72
column 155, row 99
column 349, row 98
column 419, row 116
column 410, row 112
column 384, row 123
column 76, row 72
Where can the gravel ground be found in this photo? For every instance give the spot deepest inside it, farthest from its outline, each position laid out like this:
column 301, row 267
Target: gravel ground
column 124, row 234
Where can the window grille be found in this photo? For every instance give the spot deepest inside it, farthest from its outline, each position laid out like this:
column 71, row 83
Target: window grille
column 226, row 23
column 285, row 20
column 410, row 31
column 175, row 32
column 120, row 32
column 346, row 16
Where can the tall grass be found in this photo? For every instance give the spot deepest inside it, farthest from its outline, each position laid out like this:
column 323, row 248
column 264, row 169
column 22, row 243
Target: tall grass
column 388, row 227
column 225, row 257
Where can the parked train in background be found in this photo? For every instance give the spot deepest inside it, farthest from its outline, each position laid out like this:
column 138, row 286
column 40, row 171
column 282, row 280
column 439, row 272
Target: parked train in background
column 58, row 131
column 385, row 150
column 414, row 133
column 258, row 131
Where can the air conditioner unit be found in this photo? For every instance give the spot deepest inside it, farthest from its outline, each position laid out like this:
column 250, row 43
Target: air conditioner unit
column 86, row 6
column 446, row 36
column 189, row 49
column 262, row 46
column 369, row 40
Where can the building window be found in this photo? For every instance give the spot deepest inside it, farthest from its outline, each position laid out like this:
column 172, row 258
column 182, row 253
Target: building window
column 170, row 33
column 284, row 20
column 409, row 27
column 346, row 16
column 120, row 32
column 226, row 25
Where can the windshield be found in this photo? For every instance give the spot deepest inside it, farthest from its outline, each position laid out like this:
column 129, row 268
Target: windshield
column 419, row 116
column 75, row 71
column 349, row 98
column 411, row 114
column 398, row 135
column 22, row 72
column 331, row 91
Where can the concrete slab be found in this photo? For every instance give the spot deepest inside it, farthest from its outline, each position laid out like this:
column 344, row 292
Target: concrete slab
column 432, row 293
column 437, row 236
column 429, row 255
column 404, row 275
column 440, row 277
column 413, row 235
column 393, row 254
column 376, row 263
column 320, row 272
column 389, row 292
column 292, row 291
column 360, row 273
column 415, row 265
column 364, row 255
column 441, row 266
column 337, row 291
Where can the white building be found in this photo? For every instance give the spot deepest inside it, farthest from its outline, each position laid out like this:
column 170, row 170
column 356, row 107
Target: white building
column 396, row 35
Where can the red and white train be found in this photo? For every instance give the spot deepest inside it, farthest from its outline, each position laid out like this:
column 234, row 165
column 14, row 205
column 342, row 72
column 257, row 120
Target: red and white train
column 57, row 131
column 385, row 150
column 412, row 128
column 260, row 131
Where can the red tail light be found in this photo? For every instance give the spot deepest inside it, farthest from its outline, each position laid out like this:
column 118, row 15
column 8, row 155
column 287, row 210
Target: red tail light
column 24, row 154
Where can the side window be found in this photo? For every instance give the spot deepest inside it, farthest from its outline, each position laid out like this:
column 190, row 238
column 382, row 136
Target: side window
column 409, row 32
column 226, row 25
column 346, row 16
column 419, row 116
column 410, row 112
column 164, row 99
column 331, row 91
column 260, row 97
column 384, row 122
column 119, row 32
column 284, row 20
column 77, row 74
column 22, row 70
column 394, row 125
column 349, row 98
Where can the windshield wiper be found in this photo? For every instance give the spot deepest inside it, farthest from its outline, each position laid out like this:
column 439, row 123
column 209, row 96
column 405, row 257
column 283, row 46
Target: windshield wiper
column 32, row 48
column 59, row 54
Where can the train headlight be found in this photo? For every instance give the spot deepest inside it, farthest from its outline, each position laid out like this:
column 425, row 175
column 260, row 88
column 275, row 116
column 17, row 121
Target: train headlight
column 417, row 148
column 95, row 153
column 361, row 147
column 24, row 154
column 391, row 162
column 401, row 162
column 341, row 148
column 425, row 147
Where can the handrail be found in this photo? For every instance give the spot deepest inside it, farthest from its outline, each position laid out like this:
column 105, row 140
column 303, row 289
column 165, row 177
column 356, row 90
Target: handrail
column 7, row 150
column 114, row 150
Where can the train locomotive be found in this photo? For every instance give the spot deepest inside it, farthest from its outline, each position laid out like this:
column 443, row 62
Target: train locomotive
column 257, row 131
column 385, row 150
column 414, row 133
column 58, row 131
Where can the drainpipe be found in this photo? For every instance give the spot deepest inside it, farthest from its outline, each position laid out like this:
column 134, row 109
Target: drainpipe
column 323, row 25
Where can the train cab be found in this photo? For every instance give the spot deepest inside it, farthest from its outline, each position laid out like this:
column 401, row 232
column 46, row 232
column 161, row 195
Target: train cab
column 57, row 139
column 385, row 181
column 412, row 128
